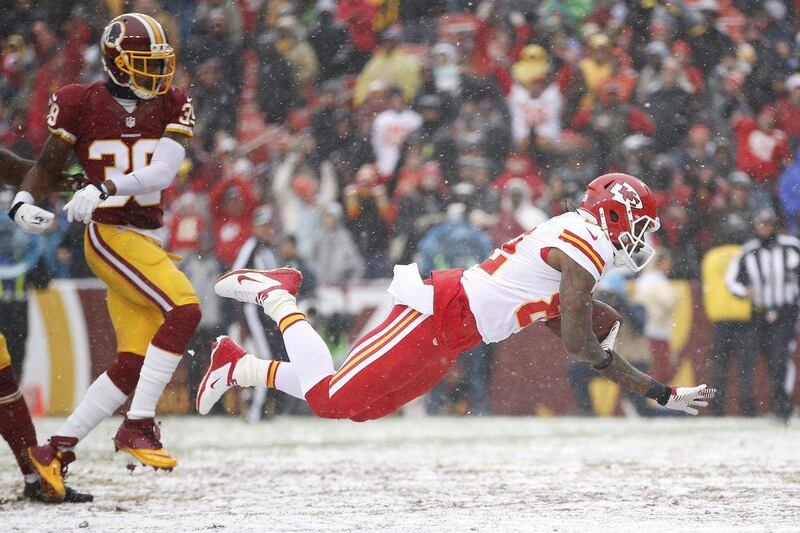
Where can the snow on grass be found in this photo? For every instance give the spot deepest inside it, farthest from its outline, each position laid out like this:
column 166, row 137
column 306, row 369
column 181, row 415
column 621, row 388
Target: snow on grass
column 434, row 474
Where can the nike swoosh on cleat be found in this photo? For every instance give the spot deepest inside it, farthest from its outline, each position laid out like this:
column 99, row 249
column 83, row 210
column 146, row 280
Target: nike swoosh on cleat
column 211, row 385
column 243, row 277
column 592, row 234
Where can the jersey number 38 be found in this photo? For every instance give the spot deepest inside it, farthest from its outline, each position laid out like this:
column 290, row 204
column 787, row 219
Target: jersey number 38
column 125, row 159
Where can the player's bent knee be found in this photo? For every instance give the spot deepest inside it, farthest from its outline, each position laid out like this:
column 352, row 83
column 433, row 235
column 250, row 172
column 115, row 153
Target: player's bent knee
column 324, row 406
column 178, row 327
column 124, row 373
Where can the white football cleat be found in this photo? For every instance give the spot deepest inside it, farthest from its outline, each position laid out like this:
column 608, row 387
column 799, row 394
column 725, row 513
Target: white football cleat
column 254, row 286
column 225, row 353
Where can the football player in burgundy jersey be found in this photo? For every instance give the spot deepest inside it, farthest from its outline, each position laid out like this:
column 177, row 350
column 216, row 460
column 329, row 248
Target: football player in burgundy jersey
column 16, row 426
column 548, row 272
column 129, row 134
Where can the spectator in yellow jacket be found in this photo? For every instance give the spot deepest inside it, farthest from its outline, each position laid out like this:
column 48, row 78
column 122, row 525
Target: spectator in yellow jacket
column 391, row 66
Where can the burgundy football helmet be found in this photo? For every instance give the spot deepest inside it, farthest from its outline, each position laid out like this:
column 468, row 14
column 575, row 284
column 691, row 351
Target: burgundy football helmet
column 626, row 210
column 137, row 55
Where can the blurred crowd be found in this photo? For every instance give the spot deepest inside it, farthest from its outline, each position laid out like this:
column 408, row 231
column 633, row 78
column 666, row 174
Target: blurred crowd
column 387, row 131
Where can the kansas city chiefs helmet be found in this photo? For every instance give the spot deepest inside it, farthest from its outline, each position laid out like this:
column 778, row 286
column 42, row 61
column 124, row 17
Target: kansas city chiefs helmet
column 625, row 208
column 137, row 55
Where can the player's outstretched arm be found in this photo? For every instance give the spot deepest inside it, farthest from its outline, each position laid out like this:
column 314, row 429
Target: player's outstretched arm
column 580, row 341
column 46, row 172
column 13, row 167
column 39, row 180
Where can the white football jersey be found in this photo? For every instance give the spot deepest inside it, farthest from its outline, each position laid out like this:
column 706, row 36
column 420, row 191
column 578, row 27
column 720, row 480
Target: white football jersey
column 515, row 286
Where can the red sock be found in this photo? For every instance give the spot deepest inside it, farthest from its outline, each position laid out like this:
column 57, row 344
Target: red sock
column 16, row 425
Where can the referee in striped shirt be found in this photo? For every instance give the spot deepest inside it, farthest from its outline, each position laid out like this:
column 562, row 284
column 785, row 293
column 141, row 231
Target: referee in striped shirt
column 766, row 271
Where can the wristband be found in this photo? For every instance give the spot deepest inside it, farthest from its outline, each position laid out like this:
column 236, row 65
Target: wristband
column 605, row 363
column 12, row 213
column 22, row 197
column 659, row 392
column 103, row 191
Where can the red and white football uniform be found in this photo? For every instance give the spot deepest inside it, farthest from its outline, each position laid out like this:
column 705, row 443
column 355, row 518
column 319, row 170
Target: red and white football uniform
column 435, row 321
column 515, row 286
column 110, row 141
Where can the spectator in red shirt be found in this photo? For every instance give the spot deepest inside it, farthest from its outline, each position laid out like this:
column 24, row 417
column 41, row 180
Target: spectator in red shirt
column 359, row 16
column 187, row 225
column 232, row 203
column 788, row 109
column 762, row 150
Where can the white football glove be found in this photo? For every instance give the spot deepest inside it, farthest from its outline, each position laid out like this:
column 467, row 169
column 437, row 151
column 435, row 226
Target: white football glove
column 84, row 202
column 28, row 216
column 607, row 344
column 687, row 398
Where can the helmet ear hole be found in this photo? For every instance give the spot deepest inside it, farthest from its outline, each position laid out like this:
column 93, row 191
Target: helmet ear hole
column 614, row 216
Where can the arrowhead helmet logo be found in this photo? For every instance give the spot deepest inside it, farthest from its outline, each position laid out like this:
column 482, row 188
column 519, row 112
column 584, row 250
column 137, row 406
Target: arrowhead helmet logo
column 130, row 121
column 625, row 194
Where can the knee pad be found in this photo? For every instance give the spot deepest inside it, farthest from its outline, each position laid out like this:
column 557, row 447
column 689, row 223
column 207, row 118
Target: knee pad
column 124, row 373
column 178, row 327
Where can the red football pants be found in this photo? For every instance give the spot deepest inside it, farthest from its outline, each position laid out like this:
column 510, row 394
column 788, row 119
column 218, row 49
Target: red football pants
column 401, row 359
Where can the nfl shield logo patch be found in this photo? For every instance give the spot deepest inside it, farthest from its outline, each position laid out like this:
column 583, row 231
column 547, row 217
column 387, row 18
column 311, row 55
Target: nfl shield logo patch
column 130, row 122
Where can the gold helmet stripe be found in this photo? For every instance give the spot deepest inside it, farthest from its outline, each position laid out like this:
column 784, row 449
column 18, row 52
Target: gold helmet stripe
column 158, row 30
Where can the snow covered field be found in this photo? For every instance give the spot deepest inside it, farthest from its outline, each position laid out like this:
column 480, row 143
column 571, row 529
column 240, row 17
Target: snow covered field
column 434, row 474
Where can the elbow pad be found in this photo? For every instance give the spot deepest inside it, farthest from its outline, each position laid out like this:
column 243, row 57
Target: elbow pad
column 156, row 176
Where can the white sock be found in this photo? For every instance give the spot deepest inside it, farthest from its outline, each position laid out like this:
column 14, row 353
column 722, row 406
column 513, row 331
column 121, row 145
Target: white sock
column 251, row 371
column 286, row 380
column 310, row 357
column 101, row 400
column 157, row 371
column 279, row 305
column 31, row 478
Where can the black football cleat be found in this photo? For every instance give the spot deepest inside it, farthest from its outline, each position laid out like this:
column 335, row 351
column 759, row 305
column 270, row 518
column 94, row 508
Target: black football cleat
column 33, row 492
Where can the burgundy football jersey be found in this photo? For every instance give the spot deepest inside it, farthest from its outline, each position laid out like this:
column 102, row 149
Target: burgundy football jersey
column 110, row 142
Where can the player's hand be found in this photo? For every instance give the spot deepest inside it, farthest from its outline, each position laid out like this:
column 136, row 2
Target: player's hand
column 84, row 202
column 31, row 218
column 686, row 399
